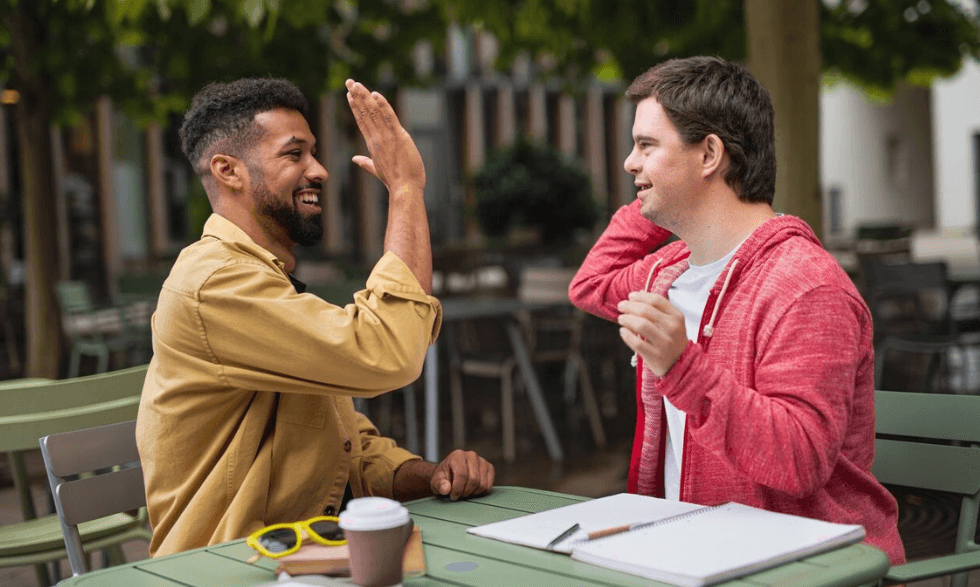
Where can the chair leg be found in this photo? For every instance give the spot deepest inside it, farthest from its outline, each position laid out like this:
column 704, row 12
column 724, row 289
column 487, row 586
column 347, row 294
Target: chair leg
column 114, row 556
column 591, row 406
column 43, row 577
column 456, row 404
column 507, row 413
column 75, row 364
column 103, row 364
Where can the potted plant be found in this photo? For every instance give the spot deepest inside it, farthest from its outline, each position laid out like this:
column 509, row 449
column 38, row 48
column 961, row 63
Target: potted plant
column 530, row 185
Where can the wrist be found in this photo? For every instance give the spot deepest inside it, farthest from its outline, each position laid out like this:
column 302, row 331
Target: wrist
column 408, row 190
column 412, row 480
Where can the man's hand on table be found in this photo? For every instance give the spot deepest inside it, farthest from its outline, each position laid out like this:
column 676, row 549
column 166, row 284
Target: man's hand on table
column 461, row 474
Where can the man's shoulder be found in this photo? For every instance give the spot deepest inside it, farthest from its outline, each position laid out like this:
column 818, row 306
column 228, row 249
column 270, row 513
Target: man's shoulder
column 800, row 264
column 198, row 262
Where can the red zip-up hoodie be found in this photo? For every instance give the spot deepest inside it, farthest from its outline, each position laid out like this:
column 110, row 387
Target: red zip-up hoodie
column 779, row 387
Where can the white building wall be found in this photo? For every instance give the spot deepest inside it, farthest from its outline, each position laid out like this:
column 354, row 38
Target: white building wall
column 955, row 119
column 877, row 156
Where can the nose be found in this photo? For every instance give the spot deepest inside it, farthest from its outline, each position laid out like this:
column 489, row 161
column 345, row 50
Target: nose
column 316, row 171
column 631, row 163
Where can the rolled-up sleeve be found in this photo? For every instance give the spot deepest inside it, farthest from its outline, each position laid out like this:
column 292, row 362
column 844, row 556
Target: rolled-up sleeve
column 380, row 457
column 267, row 337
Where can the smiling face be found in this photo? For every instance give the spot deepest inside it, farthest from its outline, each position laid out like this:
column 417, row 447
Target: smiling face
column 666, row 171
column 286, row 179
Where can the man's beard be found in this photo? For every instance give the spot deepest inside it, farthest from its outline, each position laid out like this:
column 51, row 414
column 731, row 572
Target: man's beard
column 304, row 230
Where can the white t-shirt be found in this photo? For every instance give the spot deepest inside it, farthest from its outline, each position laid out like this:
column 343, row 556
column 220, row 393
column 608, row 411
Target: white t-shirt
column 689, row 294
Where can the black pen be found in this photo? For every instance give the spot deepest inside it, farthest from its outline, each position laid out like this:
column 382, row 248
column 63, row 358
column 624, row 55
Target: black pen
column 562, row 536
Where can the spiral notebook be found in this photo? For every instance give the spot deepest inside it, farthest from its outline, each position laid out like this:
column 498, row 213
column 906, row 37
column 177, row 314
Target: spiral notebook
column 714, row 544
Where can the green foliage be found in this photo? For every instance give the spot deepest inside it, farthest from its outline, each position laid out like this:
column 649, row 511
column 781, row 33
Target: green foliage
column 151, row 56
column 875, row 43
column 533, row 185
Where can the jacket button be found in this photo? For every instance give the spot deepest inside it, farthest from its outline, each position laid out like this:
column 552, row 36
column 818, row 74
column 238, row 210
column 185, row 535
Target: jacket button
column 329, row 511
column 348, row 446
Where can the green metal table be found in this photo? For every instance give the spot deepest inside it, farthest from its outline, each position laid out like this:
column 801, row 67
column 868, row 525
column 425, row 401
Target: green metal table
column 453, row 557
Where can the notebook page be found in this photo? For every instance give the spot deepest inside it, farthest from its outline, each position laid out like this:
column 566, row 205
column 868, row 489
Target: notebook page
column 716, row 544
column 537, row 530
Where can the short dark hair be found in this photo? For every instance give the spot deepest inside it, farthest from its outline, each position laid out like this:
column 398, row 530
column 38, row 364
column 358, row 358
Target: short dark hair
column 224, row 113
column 709, row 95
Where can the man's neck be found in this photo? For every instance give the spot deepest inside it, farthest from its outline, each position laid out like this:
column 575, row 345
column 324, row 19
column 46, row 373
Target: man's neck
column 723, row 229
column 243, row 220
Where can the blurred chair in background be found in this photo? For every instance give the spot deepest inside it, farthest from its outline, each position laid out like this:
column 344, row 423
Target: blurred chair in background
column 102, row 331
column 552, row 328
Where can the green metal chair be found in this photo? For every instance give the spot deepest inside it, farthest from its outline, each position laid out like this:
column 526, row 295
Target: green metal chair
column 928, row 441
column 38, row 408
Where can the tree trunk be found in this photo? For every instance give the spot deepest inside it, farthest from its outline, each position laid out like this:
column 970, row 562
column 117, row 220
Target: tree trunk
column 33, row 123
column 40, row 236
column 783, row 39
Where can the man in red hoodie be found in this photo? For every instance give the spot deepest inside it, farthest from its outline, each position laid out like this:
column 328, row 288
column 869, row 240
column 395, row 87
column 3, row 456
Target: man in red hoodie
column 755, row 370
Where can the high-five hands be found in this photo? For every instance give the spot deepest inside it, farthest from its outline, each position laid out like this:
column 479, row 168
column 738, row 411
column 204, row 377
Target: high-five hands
column 395, row 159
column 654, row 329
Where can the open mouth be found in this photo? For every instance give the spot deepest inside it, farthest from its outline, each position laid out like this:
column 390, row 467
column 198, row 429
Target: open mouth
column 641, row 188
column 309, row 199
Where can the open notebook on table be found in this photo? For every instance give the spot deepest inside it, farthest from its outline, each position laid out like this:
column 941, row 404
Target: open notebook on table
column 674, row 542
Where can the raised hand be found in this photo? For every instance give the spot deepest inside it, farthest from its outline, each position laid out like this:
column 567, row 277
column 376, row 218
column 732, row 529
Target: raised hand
column 395, row 159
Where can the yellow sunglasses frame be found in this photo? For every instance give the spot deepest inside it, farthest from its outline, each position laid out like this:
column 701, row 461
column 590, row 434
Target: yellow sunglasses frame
column 301, row 529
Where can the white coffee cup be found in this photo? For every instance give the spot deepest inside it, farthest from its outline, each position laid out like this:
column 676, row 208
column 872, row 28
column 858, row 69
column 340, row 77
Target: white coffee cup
column 374, row 527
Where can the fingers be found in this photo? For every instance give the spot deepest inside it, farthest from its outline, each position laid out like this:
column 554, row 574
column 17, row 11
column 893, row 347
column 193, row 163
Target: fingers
column 654, row 328
column 463, row 474
column 365, row 163
column 371, row 110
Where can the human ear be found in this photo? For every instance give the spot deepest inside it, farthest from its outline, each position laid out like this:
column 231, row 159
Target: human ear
column 713, row 154
column 228, row 171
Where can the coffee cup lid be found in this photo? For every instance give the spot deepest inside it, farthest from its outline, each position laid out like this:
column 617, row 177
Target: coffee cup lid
column 373, row 513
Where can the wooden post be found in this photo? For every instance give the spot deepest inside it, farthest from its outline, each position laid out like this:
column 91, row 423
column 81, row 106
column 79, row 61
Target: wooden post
column 595, row 144
column 506, row 117
column 475, row 142
column 107, row 197
column 156, row 191
column 537, row 113
column 567, row 125
column 327, row 141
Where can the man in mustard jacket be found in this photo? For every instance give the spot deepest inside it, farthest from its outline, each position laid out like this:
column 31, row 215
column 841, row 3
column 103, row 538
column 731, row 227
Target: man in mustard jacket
column 246, row 417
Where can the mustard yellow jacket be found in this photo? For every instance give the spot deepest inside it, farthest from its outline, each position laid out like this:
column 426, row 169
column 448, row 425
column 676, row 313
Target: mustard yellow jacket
column 246, row 417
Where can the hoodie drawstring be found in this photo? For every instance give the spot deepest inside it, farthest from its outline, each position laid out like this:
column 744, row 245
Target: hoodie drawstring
column 709, row 328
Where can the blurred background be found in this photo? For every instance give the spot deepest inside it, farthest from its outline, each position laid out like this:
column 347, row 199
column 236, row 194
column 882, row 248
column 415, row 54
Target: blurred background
column 517, row 109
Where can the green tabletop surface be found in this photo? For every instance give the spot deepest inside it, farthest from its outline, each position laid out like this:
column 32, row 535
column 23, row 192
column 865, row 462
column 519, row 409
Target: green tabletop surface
column 453, row 557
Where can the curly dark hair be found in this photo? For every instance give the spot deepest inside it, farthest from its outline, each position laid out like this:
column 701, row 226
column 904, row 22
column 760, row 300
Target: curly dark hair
column 223, row 114
column 709, row 95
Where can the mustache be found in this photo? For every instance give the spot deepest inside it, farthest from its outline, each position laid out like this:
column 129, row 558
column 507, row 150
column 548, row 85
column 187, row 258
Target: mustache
column 313, row 185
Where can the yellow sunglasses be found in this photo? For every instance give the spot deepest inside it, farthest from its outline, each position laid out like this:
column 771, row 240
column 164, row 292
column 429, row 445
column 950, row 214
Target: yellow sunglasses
column 281, row 539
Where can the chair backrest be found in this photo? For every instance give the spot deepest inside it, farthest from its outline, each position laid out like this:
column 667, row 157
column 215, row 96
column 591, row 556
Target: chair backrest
column 907, row 296
column 916, row 446
column 74, row 296
column 929, row 363
column 36, row 409
column 93, row 473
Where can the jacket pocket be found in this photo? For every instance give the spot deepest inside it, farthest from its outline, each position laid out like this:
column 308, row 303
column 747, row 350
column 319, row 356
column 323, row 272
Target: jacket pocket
column 303, row 409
